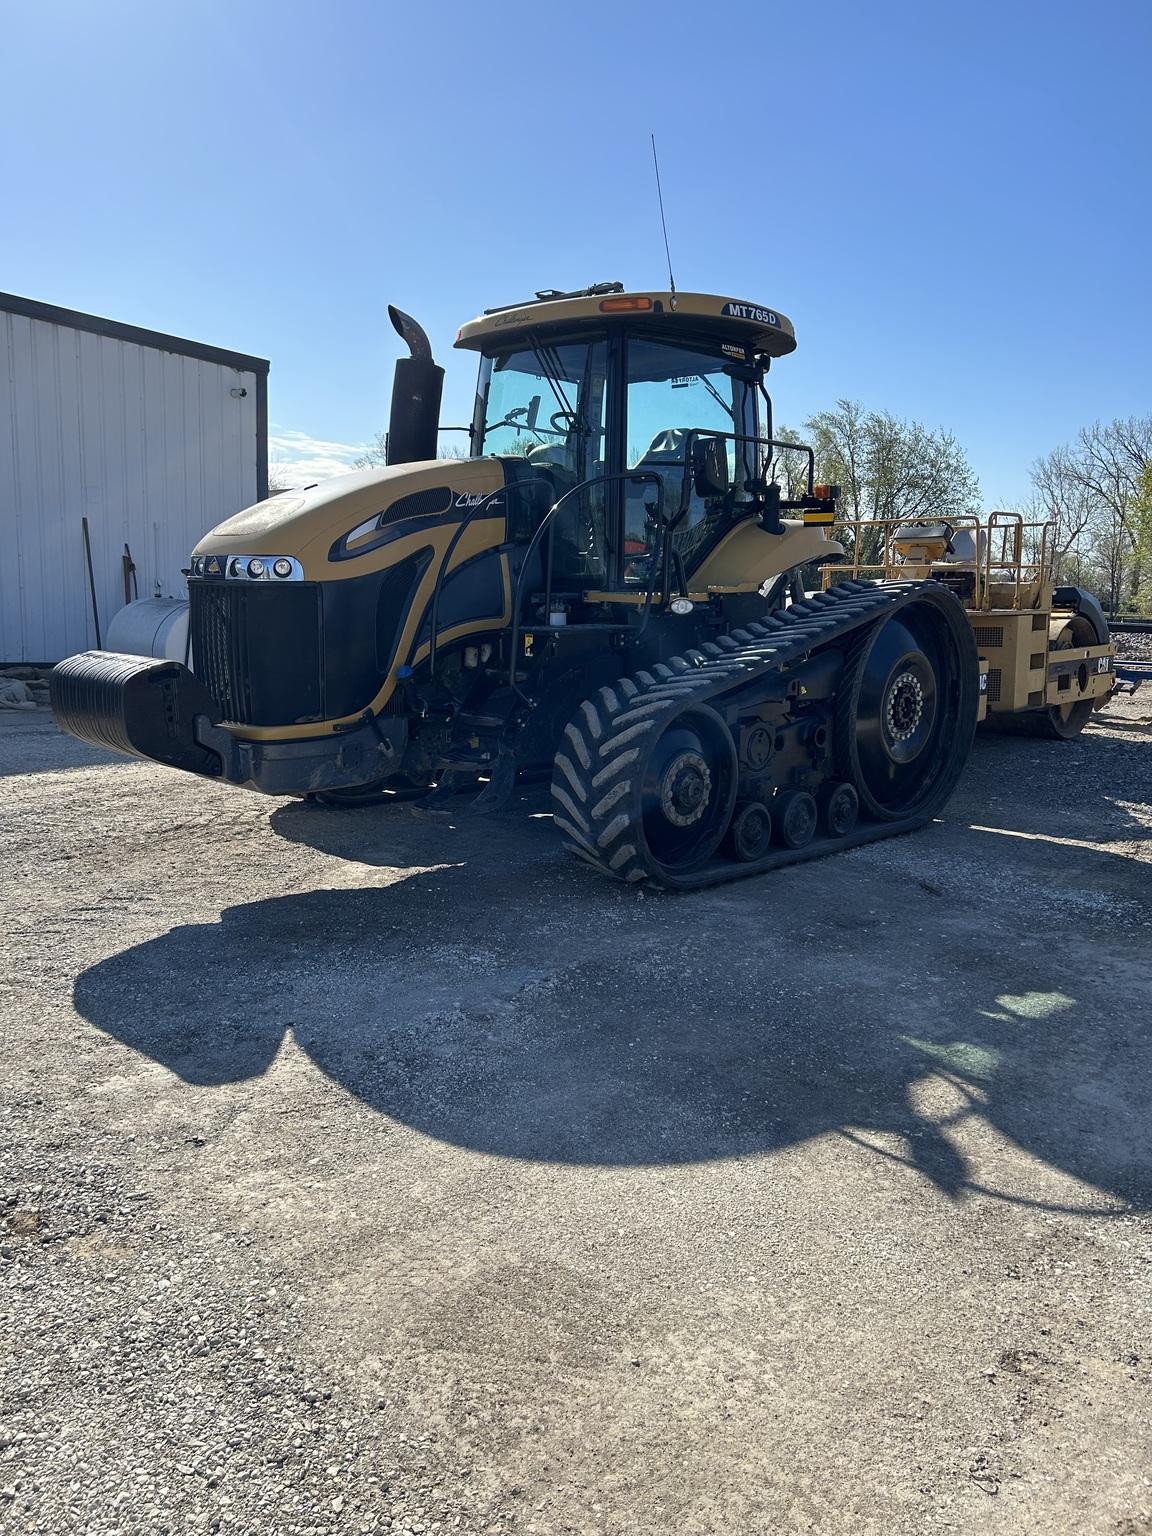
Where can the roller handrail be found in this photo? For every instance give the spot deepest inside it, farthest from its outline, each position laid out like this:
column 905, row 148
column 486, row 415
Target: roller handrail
column 1006, row 565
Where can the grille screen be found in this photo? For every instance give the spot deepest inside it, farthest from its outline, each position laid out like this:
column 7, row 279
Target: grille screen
column 993, row 684
column 256, row 648
column 989, row 635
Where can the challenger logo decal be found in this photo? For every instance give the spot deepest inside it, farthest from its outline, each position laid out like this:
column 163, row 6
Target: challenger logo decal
column 468, row 499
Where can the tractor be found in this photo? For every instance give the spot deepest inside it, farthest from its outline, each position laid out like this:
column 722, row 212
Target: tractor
column 618, row 590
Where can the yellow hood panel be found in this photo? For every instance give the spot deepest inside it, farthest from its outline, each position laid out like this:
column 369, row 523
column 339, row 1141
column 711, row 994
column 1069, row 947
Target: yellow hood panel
column 305, row 524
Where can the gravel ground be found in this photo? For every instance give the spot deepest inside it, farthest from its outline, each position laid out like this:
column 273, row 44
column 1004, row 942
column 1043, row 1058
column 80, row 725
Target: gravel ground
column 366, row 1172
column 1133, row 647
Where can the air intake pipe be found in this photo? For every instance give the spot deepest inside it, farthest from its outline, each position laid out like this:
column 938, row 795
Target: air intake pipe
column 414, row 421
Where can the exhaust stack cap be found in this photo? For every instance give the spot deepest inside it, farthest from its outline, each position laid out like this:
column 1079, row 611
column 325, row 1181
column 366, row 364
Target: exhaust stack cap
column 413, row 335
column 414, row 422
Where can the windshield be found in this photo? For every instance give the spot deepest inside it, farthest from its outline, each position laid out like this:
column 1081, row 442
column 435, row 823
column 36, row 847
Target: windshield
column 547, row 404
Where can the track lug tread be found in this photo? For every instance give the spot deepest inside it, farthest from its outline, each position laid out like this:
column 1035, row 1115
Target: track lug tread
column 613, row 744
column 613, row 797
column 592, row 719
column 567, row 768
column 614, row 766
column 570, row 831
column 571, row 809
column 580, row 746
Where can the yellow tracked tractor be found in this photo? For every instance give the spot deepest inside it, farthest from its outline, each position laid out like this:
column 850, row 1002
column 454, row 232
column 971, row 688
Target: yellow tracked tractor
column 609, row 590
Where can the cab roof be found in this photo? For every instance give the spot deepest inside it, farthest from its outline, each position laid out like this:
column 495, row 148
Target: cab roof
column 764, row 330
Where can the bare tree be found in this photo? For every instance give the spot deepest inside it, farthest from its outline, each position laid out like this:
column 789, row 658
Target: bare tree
column 375, row 455
column 279, row 478
column 1097, row 492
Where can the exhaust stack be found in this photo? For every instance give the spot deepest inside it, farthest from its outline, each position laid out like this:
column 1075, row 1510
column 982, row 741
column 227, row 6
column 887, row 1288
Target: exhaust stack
column 414, row 421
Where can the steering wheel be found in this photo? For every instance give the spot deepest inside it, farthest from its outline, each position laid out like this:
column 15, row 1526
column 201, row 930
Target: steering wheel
column 564, row 421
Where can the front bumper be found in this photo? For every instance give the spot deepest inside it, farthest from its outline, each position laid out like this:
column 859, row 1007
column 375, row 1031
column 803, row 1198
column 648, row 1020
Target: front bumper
column 158, row 710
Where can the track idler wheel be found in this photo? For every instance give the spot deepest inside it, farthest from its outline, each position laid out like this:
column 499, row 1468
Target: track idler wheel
column 750, row 836
column 839, row 809
column 796, row 818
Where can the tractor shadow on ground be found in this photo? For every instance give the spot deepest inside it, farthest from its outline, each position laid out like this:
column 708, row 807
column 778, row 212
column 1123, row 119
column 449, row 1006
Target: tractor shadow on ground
column 536, row 1012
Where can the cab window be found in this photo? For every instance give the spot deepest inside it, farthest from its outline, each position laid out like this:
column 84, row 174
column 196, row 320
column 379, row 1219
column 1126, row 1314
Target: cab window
column 672, row 390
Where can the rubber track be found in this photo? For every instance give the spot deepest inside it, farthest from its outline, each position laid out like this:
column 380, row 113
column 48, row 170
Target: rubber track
column 594, row 795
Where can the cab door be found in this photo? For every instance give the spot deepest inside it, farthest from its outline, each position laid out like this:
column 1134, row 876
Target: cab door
column 673, row 389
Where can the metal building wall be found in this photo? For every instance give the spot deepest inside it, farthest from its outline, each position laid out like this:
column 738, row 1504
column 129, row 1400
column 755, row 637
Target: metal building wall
column 150, row 445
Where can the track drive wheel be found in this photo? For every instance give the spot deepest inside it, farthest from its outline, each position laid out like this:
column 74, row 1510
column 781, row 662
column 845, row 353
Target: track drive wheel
column 906, row 708
column 657, row 810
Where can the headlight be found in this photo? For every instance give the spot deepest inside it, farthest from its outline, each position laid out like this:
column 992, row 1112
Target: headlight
column 262, row 567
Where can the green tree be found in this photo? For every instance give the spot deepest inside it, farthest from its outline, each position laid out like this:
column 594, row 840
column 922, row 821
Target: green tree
column 885, row 467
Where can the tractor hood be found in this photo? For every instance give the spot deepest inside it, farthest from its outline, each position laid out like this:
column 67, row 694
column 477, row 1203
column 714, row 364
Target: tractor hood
column 328, row 526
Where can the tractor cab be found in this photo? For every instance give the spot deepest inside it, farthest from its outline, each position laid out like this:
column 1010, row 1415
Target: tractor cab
column 637, row 424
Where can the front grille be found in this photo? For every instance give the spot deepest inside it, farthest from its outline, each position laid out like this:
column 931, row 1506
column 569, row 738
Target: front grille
column 991, row 636
column 257, row 649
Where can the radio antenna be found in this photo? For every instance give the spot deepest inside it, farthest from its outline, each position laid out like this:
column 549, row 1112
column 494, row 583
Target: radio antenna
column 663, row 222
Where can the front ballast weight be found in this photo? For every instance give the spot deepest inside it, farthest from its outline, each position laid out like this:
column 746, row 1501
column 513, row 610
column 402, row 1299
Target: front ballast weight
column 845, row 719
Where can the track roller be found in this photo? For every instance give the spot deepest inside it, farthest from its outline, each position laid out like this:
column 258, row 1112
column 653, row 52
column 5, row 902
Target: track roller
column 839, row 808
column 750, row 836
column 796, row 818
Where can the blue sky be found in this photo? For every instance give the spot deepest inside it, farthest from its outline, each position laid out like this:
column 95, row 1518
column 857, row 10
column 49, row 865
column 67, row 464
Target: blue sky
column 951, row 203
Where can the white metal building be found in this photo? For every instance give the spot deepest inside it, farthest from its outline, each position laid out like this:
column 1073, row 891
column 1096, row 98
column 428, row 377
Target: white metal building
column 151, row 438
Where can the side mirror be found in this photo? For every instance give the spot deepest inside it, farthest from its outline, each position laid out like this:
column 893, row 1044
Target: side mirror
column 710, row 467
